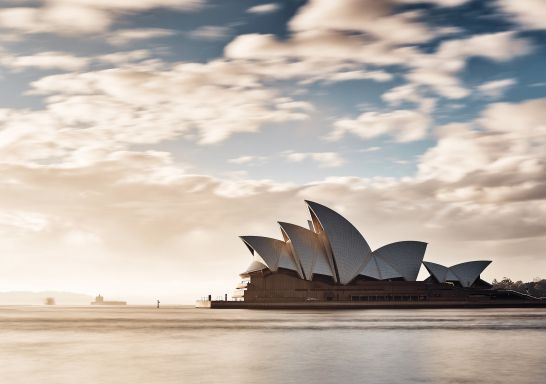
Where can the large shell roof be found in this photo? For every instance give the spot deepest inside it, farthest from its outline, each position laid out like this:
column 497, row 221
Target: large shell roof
column 308, row 249
column 350, row 250
column 465, row 273
column 334, row 247
column 271, row 252
column 404, row 257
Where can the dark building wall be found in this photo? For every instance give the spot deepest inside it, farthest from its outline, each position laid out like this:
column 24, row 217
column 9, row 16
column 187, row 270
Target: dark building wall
column 285, row 286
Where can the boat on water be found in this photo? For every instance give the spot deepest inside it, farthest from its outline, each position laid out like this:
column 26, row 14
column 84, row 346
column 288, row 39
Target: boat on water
column 49, row 301
column 99, row 300
column 331, row 266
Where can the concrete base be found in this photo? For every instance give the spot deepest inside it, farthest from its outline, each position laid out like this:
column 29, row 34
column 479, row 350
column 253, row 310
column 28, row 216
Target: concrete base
column 371, row 305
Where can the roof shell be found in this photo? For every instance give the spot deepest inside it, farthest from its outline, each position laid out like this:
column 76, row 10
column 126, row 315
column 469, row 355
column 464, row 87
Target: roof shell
column 378, row 269
column 438, row 271
column 271, row 252
column 403, row 256
column 350, row 250
column 465, row 273
column 469, row 272
column 307, row 249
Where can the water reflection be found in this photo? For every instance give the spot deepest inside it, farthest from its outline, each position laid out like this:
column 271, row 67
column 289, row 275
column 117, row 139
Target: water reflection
column 184, row 345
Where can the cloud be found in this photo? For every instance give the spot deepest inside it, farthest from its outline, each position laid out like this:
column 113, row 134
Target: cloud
column 357, row 75
column 81, row 197
column 65, row 19
column 372, row 17
column 336, row 39
column 409, row 93
column 496, row 88
column 440, row 3
column 45, row 60
column 247, row 159
column 309, row 70
column 370, row 149
column 402, row 125
column 324, row 159
column 139, row 213
column 144, row 103
column 526, row 119
column 438, row 70
column 210, row 32
column 80, row 16
column 124, row 57
column 264, row 8
column 530, row 14
column 502, row 150
column 348, row 35
column 124, row 36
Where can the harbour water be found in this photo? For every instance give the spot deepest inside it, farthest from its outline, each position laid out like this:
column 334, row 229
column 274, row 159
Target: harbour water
column 133, row 345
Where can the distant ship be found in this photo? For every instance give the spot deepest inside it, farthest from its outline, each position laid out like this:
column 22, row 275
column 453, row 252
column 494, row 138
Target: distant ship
column 49, row 301
column 99, row 300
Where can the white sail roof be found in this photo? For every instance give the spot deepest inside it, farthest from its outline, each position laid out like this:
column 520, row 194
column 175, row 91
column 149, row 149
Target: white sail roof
column 405, row 257
column 307, row 249
column 465, row 273
column 438, row 271
column 469, row 272
column 379, row 269
column 350, row 250
column 271, row 252
column 332, row 246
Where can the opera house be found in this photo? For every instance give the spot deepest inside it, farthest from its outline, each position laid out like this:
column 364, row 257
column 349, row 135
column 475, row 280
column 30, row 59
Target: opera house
column 330, row 265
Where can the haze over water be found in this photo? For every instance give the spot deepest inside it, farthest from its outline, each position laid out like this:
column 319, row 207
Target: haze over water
column 57, row 345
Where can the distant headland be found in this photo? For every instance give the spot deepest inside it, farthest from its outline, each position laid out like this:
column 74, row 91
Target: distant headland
column 39, row 298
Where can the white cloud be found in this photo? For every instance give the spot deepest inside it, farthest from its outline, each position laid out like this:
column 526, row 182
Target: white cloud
column 311, row 70
column 124, row 57
column 142, row 104
column 80, row 16
column 370, row 149
column 133, row 4
column 503, row 148
column 46, row 60
column 264, row 8
column 526, row 119
column 443, row 82
column 530, row 14
column 326, row 32
column 124, row 36
column 440, row 3
column 402, row 125
column 64, row 19
column 409, row 93
column 499, row 46
column 247, row 159
column 438, row 70
column 375, row 18
column 496, row 88
column 136, row 213
column 210, row 32
column 358, row 75
column 324, row 159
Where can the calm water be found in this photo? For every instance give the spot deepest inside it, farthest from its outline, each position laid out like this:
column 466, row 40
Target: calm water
column 57, row 345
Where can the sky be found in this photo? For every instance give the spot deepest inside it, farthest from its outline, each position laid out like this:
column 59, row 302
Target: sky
column 139, row 139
